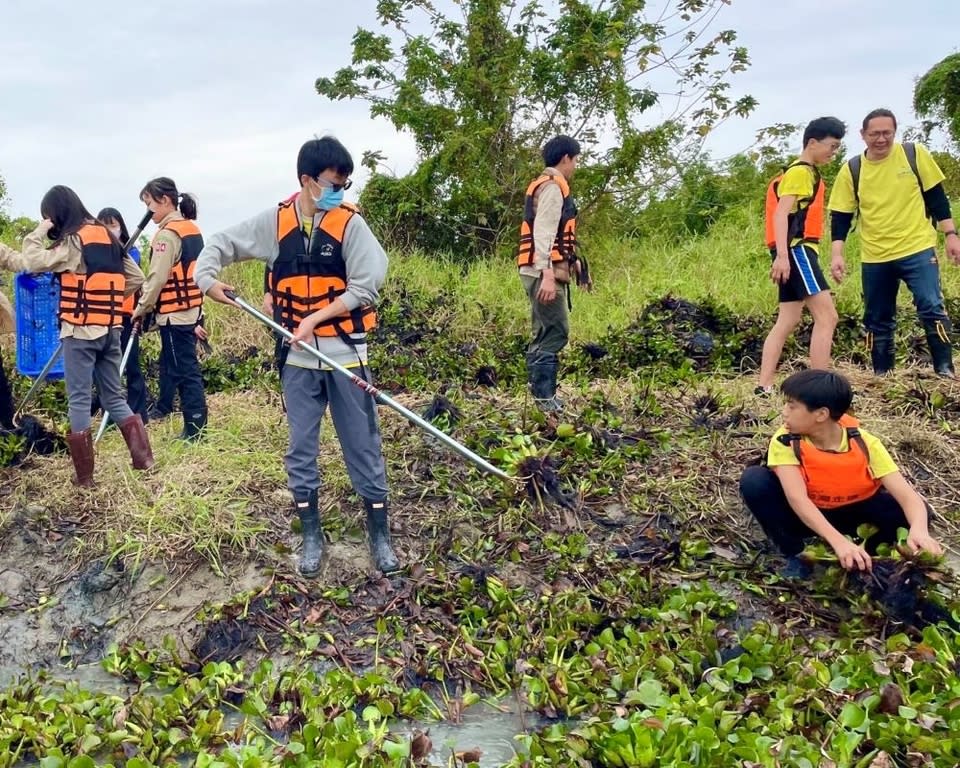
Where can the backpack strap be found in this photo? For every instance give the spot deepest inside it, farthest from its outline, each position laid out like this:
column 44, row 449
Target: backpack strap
column 910, row 150
column 792, row 440
column 817, row 181
column 854, row 436
column 854, row 164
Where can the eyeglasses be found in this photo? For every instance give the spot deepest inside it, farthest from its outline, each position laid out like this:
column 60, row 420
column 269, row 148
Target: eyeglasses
column 881, row 134
column 330, row 185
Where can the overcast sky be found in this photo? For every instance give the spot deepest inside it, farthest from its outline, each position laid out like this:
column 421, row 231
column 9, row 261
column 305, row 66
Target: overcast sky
column 103, row 96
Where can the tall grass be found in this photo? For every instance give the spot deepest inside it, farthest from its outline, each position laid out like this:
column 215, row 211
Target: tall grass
column 730, row 265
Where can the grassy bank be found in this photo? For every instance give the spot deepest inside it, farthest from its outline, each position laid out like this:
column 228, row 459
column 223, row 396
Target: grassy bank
column 729, row 267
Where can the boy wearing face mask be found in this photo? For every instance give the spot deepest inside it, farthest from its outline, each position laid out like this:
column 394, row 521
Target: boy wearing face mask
column 325, row 271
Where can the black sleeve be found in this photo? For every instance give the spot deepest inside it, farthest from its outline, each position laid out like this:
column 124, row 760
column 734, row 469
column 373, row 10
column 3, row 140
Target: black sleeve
column 840, row 223
column 937, row 202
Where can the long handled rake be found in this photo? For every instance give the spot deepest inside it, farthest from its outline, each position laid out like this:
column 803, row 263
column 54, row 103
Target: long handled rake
column 375, row 393
column 134, row 332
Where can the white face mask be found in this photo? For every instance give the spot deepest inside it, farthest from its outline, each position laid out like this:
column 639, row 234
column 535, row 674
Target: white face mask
column 115, row 231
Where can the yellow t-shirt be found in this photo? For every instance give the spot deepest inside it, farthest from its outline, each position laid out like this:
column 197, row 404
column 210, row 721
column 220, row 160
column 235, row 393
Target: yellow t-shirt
column 893, row 221
column 881, row 463
column 798, row 181
column 306, row 224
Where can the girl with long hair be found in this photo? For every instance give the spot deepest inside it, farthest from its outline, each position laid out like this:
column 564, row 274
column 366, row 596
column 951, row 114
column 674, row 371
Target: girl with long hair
column 95, row 276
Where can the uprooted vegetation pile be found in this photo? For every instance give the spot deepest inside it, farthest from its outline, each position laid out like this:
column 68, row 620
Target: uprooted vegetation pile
column 618, row 594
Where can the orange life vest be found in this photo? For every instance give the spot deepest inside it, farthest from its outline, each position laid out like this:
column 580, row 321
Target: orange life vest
column 129, row 304
column 96, row 297
column 806, row 223
column 180, row 292
column 565, row 242
column 302, row 283
column 834, row 479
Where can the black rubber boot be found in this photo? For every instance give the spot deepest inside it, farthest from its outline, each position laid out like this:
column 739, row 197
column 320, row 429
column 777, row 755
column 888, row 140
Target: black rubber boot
column 378, row 531
column 312, row 552
column 542, row 375
column 941, row 348
column 156, row 414
column 881, row 352
column 193, row 424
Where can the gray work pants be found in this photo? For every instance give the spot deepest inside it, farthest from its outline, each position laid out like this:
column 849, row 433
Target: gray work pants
column 307, row 393
column 551, row 322
column 89, row 362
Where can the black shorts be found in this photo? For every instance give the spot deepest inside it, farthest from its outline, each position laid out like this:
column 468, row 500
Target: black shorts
column 806, row 278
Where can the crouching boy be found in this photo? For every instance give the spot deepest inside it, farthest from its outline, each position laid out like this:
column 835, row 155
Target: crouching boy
column 825, row 476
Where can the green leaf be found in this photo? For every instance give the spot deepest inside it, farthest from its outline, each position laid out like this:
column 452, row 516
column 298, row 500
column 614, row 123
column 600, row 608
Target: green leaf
column 852, row 715
column 396, row 750
column 839, row 684
column 649, row 693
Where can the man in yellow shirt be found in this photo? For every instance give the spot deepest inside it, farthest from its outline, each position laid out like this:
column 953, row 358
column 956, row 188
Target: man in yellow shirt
column 897, row 197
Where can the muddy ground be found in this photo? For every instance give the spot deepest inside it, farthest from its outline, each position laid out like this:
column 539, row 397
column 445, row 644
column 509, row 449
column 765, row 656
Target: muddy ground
column 640, row 493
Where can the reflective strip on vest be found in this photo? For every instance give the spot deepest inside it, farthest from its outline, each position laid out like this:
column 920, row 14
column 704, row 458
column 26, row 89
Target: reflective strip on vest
column 303, row 283
column 565, row 242
column 180, row 292
column 95, row 297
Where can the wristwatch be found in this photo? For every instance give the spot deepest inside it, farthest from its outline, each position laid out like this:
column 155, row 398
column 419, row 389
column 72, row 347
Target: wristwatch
column 951, row 232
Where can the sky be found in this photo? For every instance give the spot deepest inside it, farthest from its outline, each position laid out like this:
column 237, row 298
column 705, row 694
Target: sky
column 219, row 94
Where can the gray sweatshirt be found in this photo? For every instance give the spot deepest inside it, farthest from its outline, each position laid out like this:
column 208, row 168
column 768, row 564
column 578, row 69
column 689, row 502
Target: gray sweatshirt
column 256, row 238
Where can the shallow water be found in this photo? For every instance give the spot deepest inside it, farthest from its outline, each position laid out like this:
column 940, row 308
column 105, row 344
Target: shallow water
column 490, row 728
column 482, row 727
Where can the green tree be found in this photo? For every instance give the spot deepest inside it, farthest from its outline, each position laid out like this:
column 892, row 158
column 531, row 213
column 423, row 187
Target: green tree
column 481, row 92
column 12, row 231
column 936, row 98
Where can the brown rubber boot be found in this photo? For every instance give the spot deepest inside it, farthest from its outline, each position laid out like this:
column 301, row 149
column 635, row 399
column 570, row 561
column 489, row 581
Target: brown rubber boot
column 81, row 451
column 135, row 435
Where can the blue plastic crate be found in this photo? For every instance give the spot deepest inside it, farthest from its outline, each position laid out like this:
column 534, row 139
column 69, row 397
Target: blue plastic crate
column 37, row 300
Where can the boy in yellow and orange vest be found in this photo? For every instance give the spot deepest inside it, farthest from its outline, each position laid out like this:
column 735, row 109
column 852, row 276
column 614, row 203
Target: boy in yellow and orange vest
column 825, row 476
column 794, row 227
